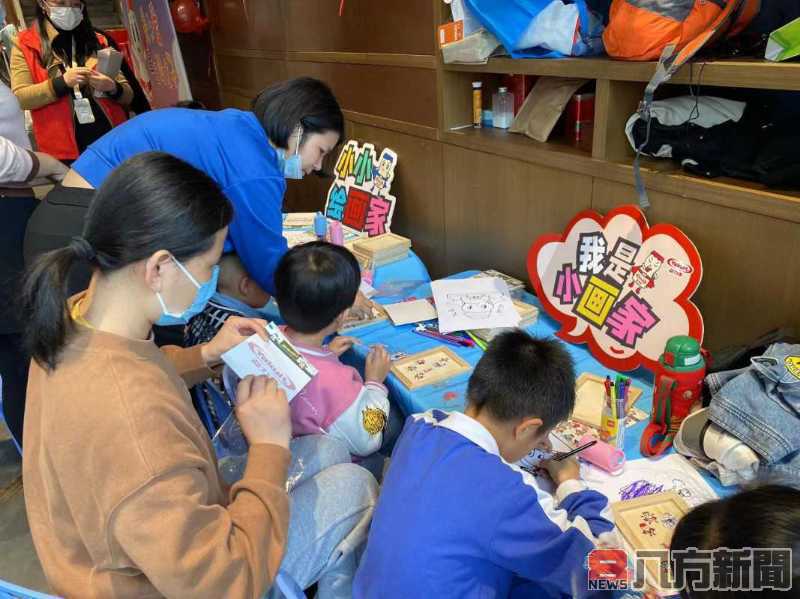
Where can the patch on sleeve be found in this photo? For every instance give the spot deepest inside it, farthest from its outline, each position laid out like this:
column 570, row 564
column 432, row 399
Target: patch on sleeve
column 792, row 364
column 373, row 420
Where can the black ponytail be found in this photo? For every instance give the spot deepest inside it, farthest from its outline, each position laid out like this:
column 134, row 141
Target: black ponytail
column 151, row 202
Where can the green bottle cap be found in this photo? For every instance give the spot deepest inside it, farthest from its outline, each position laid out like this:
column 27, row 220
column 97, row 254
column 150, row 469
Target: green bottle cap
column 683, row 354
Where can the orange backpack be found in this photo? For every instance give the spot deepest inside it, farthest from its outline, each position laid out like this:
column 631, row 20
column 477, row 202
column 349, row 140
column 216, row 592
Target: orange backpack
column 670, row 31
column 641, row 29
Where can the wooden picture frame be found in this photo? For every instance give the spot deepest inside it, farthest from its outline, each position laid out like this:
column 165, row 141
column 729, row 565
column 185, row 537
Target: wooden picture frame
column 354, row 324
column 423, row 361
column 648, row 523
column 590, row 398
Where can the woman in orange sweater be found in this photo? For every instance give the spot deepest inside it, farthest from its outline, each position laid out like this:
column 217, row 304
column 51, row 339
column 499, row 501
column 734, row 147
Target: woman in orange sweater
column 122, row 490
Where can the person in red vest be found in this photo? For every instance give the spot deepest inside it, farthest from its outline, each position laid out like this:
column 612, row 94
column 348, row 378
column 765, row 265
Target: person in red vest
column 53, row 76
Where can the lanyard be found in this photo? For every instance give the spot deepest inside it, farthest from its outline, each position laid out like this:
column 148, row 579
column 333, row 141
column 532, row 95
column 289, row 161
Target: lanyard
column 77, row 88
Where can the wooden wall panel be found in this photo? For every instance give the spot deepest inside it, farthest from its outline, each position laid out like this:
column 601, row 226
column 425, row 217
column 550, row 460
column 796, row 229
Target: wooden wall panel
column 391, row 26
column 248, row 76
column 399, row 93
column 495, row 208
column 418, row 187
column 198, row 58
column 248, row 24
column 750, row 279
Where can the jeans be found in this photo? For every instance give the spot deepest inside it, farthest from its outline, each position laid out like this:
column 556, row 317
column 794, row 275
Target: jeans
column 331, row 503
column 761, row 406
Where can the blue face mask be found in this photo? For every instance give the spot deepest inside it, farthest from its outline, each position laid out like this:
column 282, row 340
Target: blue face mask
column 292, row 167
column 204, row 293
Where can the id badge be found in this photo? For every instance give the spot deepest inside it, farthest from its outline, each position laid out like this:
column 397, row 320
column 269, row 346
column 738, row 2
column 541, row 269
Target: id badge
column 83, row 111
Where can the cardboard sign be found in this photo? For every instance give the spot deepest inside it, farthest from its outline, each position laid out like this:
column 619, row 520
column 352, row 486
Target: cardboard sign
column 360, row 195
column 619, row 285
column 157, row 58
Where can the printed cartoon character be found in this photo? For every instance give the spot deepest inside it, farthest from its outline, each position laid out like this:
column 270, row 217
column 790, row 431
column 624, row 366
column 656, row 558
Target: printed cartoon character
column 679, row 487
column 383, row 173
column 669, row 521
column 644, row 275
column 373, row 420
column 649, row 517
column 474, row 305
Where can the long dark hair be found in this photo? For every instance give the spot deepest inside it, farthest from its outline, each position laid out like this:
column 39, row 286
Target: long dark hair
column 151, row 202
column 86, row 43
column 303, row 101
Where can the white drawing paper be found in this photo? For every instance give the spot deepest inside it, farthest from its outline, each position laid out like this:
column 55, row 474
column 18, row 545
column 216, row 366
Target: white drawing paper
column 649, row 476
column 408, row 312
column 478, row 303
column 275, row 358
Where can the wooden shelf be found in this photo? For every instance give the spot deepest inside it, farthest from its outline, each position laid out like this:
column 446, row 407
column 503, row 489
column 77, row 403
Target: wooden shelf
column 659, row 175
column 515, row 145
column 741, row 72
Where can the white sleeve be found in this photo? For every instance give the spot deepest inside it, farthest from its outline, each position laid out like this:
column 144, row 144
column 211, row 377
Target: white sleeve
column 361, row 425
column 16, row 163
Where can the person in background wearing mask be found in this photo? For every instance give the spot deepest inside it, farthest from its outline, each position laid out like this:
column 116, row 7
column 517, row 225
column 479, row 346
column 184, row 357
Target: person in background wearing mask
column 289, row 130
column 20, row 168
column 122, row 490
column 53, row 76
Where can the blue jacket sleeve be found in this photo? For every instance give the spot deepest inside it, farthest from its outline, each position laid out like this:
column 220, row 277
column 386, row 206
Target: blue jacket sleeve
column 256, row 232
column 546, row 544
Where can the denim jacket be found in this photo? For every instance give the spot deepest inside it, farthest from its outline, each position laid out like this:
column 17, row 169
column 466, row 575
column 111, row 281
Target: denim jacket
column 761, row 406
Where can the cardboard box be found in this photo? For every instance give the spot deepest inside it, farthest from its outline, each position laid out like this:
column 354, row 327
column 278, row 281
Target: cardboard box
column 451, row 32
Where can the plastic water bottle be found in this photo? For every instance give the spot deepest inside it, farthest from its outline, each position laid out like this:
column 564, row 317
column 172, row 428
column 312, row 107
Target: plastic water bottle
column 502, row 108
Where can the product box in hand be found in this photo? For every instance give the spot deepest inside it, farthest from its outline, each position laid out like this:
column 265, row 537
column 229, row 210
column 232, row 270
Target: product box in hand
column 382, row 249
column 528, row 315
column 274, row 357
column 109, row 62
column 515, row 287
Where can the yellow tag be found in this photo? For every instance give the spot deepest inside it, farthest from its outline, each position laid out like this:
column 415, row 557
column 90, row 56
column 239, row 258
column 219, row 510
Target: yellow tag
column 373, row 420
column 793, row 365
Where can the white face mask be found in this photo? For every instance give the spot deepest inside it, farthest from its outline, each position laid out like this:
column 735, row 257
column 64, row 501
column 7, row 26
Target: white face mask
column 65, row 18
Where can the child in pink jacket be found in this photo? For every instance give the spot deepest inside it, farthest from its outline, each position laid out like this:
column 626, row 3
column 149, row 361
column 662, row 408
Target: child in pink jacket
column 316, row 284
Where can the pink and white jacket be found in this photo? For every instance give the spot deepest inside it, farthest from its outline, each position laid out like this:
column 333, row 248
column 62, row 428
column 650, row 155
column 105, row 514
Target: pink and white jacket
column 337, row 402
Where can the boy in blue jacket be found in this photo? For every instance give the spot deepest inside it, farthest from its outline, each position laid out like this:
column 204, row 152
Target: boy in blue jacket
column 457, row 518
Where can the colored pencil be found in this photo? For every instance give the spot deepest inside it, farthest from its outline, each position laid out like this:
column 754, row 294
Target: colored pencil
column 477, row 341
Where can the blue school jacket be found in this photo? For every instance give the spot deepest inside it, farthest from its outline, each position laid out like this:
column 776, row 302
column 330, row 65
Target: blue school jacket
column 232, row 148
column 455, row 520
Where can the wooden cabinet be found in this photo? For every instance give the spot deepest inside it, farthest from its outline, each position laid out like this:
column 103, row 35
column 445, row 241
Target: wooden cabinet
column 478, row 198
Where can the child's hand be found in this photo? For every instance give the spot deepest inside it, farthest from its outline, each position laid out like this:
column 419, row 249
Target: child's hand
column 378, row 364
column 564, row 470
column 233, row 332
column 263, row 412
column 341, row 344
column 362, row 308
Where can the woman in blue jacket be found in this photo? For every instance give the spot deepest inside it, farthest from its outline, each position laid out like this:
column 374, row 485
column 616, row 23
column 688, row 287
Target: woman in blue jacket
column 290, row 128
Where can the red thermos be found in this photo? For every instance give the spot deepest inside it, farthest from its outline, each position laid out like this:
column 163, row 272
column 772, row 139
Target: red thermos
column 677, row 386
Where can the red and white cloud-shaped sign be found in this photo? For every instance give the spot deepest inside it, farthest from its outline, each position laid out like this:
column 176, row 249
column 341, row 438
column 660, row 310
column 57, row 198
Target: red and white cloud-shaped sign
column 619, row 285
